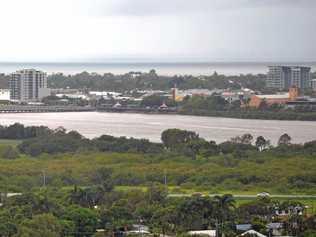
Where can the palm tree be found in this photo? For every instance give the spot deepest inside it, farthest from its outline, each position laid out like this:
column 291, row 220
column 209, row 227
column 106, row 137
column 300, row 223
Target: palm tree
column 223, row 210
column 78, row 196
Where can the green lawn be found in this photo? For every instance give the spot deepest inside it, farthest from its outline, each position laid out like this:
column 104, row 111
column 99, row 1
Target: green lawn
column 309, row 202
column 10, row 142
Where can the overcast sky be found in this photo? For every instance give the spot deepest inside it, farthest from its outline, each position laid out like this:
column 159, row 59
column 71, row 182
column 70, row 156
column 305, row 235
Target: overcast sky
column 172, row 30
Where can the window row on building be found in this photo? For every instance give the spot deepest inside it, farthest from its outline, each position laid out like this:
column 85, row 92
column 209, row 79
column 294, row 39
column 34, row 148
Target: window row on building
column 28, row 85
column 285, row 77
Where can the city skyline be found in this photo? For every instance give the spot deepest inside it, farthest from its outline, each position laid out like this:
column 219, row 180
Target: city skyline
column 138, row 30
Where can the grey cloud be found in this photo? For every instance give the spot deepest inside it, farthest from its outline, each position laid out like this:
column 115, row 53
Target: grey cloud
column 169, row 7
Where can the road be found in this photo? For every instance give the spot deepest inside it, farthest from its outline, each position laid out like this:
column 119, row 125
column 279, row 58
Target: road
column 252, row 196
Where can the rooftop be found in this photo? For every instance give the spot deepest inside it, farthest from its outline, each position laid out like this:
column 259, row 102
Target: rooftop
column 287, row 66
column 243, row 227
column 211, row 233
column 253, row 233
column 277, row 96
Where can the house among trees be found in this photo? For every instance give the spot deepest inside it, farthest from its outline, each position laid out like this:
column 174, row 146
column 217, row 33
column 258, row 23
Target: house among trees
column 209, row 233
column 117, row 105
column 275, row 228
column 243, row 227
column 290, row 210
column 163, row 106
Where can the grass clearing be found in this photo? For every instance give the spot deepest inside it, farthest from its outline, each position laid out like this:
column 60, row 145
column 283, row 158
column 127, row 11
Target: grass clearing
column 310, row 203
column 10, row 142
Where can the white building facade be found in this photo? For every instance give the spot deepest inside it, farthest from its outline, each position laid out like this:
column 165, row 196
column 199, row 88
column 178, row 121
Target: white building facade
column 284, row 77
column 314, row 84
column 4, row 94
column 28, row 85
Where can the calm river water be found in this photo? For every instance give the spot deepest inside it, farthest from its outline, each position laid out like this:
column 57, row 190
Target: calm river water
column 92, row 124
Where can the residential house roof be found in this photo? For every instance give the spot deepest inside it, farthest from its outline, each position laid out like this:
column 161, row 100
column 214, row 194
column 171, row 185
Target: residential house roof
column 253, row 232
column 211, row 233
column 277, row 96
column 243, row 227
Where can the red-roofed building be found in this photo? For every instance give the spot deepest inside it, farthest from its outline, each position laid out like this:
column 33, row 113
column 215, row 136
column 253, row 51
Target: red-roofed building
column 256, row 100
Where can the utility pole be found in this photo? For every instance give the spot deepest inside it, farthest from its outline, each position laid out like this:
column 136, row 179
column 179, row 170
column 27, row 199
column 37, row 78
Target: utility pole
column 44, row 178
column 165, row 180
column 217, row 230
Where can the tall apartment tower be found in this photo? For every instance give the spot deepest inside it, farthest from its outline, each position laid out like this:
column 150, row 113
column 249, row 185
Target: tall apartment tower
column 278, row 77
column 301, row 77
column 28, row 85
column 284, row 77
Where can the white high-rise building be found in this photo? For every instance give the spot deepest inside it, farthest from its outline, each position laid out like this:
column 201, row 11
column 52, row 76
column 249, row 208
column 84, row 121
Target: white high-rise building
column 284, row 77
column 28, row 85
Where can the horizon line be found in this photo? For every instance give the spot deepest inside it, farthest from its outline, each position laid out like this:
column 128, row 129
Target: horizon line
column 157, row 62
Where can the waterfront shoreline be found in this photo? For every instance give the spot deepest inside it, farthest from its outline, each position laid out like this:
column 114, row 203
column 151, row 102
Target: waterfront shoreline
column 150, row 126
column 214, row 114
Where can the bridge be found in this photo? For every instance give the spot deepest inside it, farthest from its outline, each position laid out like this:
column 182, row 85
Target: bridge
column 137, row 110
column 73, row 108
column 43, row 108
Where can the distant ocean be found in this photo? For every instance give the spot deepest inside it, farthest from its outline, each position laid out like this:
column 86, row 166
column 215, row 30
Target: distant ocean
column 227, row 68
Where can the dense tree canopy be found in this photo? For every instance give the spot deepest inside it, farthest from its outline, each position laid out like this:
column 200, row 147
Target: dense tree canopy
column 73, row 186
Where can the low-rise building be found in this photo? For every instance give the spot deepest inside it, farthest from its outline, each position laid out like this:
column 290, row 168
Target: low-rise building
column 283, row 98
column 179, row 95
column 243, row 227
column 275, row 228
column 290, row 210
column 253, row 233
column 307, row 104
column 105, row 94
column 4, row 95
column 210, row 233
column 230, row 96
column 64, row 91
column 73, row 96
column 237, row 95
column 314, row 84
column 141, row 230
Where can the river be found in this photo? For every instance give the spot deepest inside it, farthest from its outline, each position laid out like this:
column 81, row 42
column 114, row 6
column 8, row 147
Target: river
column 150, row 126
